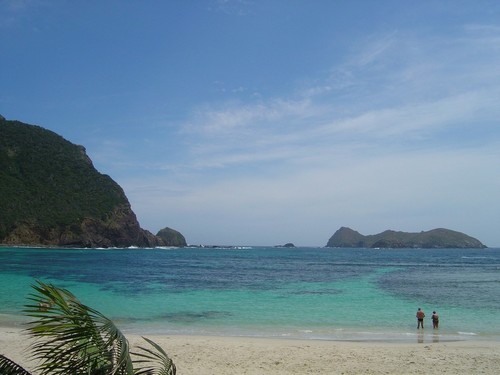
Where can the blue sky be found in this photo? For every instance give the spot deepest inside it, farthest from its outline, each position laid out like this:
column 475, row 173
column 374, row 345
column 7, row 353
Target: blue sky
column 264, row 122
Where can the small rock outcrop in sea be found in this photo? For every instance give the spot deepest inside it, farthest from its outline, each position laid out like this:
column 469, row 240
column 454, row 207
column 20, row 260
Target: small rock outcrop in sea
column 171, row 237
column 51, row 195
column 289, row 245
column 433, row 239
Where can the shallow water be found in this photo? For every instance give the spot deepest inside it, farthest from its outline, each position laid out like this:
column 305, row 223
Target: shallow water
column 317, row 293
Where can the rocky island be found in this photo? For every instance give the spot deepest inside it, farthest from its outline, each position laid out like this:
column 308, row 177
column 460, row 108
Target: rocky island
column 287, row 245
column 51, row 195
column 433, row 239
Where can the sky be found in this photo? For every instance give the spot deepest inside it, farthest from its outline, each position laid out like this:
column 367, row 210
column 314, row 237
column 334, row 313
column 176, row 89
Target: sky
column 246, row 122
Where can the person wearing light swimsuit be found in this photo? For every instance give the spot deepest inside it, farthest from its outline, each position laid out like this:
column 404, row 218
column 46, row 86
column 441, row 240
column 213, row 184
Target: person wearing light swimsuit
column 435, row 320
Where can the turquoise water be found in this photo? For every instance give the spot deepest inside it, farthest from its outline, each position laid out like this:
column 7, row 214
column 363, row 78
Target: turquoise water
column 313, row 293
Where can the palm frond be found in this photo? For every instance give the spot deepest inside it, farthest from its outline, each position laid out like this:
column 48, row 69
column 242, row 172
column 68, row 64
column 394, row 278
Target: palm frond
column 9, row 367
column 156, row 361
column 72, row 338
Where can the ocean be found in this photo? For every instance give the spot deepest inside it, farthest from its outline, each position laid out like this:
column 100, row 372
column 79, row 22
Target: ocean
column 304, row 293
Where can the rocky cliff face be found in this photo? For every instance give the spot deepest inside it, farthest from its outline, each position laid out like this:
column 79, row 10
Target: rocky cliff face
column 435, row 238
column 51, row 195
column 121, row 229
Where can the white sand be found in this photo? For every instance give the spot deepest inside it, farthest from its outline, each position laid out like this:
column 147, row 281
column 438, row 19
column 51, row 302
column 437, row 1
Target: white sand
column 199, row 355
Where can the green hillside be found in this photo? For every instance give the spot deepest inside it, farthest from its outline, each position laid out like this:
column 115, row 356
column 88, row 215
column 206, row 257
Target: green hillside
column 51, row 194
column 47, row 181
column 172, row 237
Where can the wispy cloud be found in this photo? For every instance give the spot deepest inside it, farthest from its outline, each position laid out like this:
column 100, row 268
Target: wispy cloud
column 284, row 131
column 374, row 51
column 235, row 117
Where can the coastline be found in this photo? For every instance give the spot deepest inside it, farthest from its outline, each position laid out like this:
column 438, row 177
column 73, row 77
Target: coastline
column 247, row 355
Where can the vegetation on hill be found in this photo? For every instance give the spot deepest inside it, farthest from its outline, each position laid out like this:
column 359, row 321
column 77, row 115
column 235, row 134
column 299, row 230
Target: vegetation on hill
column 51, row 194
column 172, row 237
column 436, row 238
column 47, row 181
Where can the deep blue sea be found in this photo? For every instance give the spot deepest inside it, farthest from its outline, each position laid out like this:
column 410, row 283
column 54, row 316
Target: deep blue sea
column 309, row 293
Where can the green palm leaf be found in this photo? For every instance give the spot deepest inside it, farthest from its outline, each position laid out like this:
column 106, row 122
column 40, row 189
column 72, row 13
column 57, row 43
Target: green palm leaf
column 155, row 359
column 8, row 367
column 72, row 338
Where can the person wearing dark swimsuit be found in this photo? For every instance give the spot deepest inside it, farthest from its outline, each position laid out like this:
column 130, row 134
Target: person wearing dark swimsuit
column 420, row 318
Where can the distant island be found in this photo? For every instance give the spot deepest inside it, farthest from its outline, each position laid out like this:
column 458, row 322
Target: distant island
column 287, row 245
column 51, row 195
column 433, row 239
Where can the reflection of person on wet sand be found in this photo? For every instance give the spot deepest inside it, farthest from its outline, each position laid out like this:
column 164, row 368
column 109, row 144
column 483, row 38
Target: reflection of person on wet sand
column 420, row 318
column 420, row 337
column 435, row 320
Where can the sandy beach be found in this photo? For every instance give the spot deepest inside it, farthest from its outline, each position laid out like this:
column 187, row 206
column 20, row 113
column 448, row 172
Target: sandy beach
column 199, row 355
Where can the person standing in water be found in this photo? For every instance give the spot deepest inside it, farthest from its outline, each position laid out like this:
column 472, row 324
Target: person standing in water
column 435, row 320
column 420, row 318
